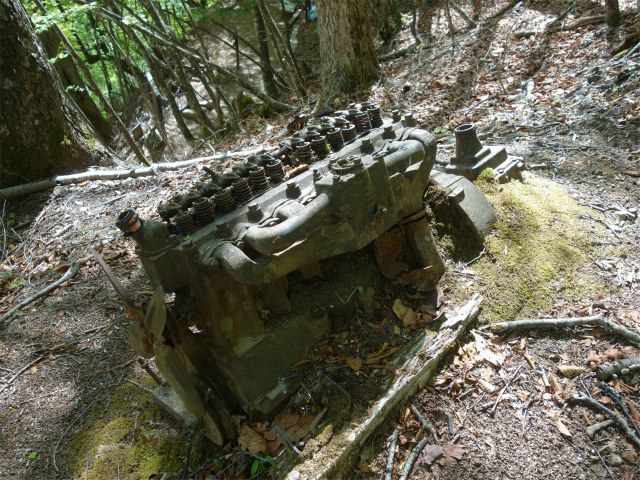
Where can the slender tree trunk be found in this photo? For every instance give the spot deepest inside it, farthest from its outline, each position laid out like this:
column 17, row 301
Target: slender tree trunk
column 189, row 92
column 613, row 16
column 263, row 46
column 160, row 82
column 288, row 62
column 155, row 115
column 37, row 138
column 347, row 53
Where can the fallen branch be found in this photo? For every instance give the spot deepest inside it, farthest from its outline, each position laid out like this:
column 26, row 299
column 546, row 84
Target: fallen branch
column 423, row 361
column 590, row 402
column 628, row 42
column 462, row 13
column 398, row 53
column 619, row 367
column 500, row 13
column 426, row 426
column 593, row 429
column 415, row 453
column 615, row 396
column 555, row 323
column 393, row 444
column 73, row 270
column 19, row 190
column 22, row 370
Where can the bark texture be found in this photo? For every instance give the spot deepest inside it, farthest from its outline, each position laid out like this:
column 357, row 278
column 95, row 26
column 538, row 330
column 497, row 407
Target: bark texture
column 37, row 138
column 613, row 15
column 346, row 48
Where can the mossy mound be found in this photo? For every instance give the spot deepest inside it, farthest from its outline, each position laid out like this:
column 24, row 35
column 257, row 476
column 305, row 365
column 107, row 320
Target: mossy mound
column 131, row 439
column 538, row 253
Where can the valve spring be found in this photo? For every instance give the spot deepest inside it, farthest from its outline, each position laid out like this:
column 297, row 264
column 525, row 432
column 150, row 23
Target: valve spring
column 375, row 116
column 242, row 190
column 275, row 171
column 348, row 133
column 304, row 152
column 204, row 211
column 224, row 200
column 335, row 139
column 320, row 146
column 363, row 124
column 259, row 182
column 186, row 225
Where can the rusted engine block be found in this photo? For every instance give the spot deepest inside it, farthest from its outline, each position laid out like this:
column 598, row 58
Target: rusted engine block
column 237, row 237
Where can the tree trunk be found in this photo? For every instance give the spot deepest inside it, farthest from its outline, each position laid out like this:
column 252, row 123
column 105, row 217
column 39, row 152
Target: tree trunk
column 261, row 36
column 613, row 16
column 346, row 48
column 36, row 137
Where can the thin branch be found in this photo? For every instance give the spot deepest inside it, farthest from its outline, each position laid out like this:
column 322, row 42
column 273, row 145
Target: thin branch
column 73, row 270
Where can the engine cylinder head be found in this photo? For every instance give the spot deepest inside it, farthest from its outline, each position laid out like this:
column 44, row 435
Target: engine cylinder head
column 259, row 182
column 335, row 139
column 349, row 133
column 224, row 200
column 242, row 190
column 204, row 211
column 275, row 171
column 186, row 225
column 375, row 116
column 363, row 124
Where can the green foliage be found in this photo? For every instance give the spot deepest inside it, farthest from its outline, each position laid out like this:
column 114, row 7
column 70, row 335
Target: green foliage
column 260, row 465
column 32, row 455
column 18, row 282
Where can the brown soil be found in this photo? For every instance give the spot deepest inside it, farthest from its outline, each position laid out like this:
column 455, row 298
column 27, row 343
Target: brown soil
column 577, row 130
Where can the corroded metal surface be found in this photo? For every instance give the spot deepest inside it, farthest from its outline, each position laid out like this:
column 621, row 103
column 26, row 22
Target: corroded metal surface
column 235, row 239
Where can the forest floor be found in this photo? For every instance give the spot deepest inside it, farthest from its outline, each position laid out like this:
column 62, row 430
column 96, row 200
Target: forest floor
column 567, row 244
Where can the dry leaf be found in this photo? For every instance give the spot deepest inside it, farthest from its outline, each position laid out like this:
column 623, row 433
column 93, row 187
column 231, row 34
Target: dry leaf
column 531, row 361
column 355, row 363
column 252, row 441
column 613, row 354
column 407, row 315
column 571, row 370
column 593, row 360
column 556, row 387
column 629, row 455
column 428, row 455
column 387, row 247
column 634, row 413
column 396, row 330
column 422, row 279
column 369, row 304
column 563, row 429
column 486, row 386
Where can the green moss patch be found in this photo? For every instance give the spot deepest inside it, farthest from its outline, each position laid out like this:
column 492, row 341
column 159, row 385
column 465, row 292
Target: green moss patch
column 132, row 439
column 539, row 251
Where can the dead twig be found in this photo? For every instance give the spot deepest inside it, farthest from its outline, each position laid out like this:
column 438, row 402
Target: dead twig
column 593, row 429
column 73, row 270
column 619, row 367
column 590, row 402
column 194, row 430
column 22, row 370
column 615, row 396
column 495, row 405
column 393, row 444
column 554, row 323
column 426, row 426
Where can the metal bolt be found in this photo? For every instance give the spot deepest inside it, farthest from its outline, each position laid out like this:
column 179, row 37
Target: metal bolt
column 211, row 264
column 316, row 173
column 239, row 243
column 222, row 226
column 336, row 178
column 254, row 207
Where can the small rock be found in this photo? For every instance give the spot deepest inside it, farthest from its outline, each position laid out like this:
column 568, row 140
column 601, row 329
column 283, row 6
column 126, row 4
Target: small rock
column 60, row 190
column 615, row 460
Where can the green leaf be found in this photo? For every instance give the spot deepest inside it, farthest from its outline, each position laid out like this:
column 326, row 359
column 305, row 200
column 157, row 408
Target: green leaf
column 32, row 455
column 255, row 466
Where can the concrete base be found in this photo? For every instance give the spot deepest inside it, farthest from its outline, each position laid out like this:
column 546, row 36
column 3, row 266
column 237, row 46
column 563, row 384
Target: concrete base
column 168, row 399
column 469, row 201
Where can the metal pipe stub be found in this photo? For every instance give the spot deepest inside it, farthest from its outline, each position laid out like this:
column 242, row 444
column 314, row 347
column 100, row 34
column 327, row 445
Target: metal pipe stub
column 472, row 157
